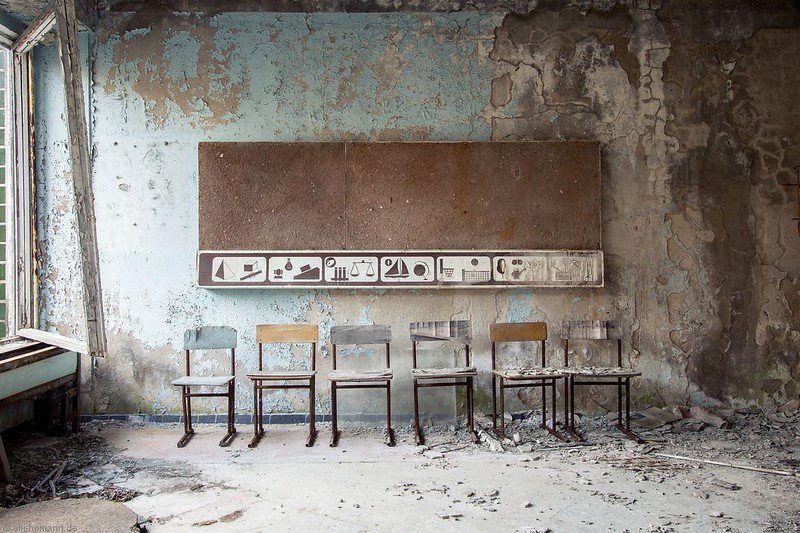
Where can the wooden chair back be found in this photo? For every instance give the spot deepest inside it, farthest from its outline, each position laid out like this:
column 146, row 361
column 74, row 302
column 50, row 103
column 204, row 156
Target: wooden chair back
column 459, row 331
column 518, row 332
column 360, row 335
column 291, row 333
column 592, row 330
column 210, row 338
column 287, row 334
column 452, row 330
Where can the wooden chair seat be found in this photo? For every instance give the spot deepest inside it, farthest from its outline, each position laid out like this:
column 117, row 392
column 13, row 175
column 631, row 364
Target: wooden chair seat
column 600, row 371
column 202, row 381
column 279, row 375
column 528, row 373
column 435, row 373
column 360, row 375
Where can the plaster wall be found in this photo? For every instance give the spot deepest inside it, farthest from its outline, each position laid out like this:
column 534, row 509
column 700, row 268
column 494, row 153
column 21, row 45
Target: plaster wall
column 694, row 107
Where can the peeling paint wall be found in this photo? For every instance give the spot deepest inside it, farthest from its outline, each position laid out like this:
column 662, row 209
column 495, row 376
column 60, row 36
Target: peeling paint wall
column 694, row 107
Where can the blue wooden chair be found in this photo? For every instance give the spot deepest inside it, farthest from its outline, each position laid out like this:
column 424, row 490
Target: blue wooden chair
column 207, row 338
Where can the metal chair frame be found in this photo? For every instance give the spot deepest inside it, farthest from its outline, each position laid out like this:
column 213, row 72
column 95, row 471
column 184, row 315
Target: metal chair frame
column 612, row 331
column 360, row 336
column 522, row 332
column 192, row 341
column 467, row 382
column 283, row 334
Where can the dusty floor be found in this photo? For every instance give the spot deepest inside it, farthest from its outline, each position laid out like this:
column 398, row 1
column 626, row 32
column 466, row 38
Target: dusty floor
column 610, row 484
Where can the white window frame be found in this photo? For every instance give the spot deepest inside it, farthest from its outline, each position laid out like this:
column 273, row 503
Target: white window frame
column 21, row 280
column 7, row 39
column 8, row 165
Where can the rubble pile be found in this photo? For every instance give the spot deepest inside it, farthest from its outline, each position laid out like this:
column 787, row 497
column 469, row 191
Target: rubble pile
column 75, row 466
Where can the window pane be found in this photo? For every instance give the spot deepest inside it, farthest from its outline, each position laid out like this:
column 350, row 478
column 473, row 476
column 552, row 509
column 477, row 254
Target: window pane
column 3, row 166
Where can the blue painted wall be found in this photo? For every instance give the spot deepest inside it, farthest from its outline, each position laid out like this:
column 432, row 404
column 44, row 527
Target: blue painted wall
column 700, row 268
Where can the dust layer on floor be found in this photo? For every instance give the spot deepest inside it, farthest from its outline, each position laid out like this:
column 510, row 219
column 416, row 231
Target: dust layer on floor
column 529, row 482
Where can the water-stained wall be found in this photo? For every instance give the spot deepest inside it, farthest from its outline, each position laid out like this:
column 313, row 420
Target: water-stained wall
column 694, row 105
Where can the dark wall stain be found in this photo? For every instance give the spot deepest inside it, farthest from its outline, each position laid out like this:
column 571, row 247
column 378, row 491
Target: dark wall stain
column 732, row 89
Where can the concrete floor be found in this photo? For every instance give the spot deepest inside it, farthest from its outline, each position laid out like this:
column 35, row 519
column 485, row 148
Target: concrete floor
column 364, row 485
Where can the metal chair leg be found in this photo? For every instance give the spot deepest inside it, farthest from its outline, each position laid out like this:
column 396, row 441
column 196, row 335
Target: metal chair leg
column 502, row 432
column 471, row 411
column 312, row 430
column 189, row 408
column 552, row 430
column 312, row 427
column 258, row 428
column 566, row 403
column 544, row 403
column 231, row 433
column 261, row 410
column 628, row 404
column 626, row 428
column 494, row 402
column 188, row 432
column 389, row 431
column 571, row 420
column 418, row 438
column 334, row 417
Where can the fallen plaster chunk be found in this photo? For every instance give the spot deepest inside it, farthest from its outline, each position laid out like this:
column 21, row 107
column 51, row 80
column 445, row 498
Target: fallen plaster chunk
column 433, row 454
column 703, row 414
column 494, row 445
column 727, row 485
column 654, row 417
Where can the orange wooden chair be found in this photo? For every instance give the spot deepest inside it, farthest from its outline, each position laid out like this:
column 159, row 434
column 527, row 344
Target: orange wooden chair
column 287, row 379
column 527, row 376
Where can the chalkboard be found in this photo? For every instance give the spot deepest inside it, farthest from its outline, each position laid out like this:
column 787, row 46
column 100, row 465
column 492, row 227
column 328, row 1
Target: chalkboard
column 399, row 197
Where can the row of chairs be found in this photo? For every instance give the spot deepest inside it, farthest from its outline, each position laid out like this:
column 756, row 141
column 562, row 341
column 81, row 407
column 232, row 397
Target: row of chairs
column 537, row 374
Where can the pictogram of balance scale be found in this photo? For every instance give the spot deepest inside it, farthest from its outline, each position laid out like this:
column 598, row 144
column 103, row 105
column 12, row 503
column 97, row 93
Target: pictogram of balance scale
column 357, row 269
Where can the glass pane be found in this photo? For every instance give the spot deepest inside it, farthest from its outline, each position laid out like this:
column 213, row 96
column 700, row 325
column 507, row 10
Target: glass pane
column 4, row 138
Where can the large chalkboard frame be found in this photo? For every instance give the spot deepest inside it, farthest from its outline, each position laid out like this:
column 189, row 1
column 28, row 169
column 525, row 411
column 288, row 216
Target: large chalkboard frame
column 342, row 202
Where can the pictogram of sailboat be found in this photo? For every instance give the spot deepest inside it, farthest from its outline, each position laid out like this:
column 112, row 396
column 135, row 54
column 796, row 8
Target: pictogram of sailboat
column 397, row 269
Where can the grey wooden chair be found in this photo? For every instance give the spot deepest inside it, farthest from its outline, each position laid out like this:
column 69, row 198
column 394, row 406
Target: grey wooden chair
column 457, row 331
column 618, row 376
column 207, row 338
column 361, row 379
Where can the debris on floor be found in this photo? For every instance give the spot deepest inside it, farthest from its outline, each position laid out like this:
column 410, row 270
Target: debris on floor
column 680, row 478
column 80, row 465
